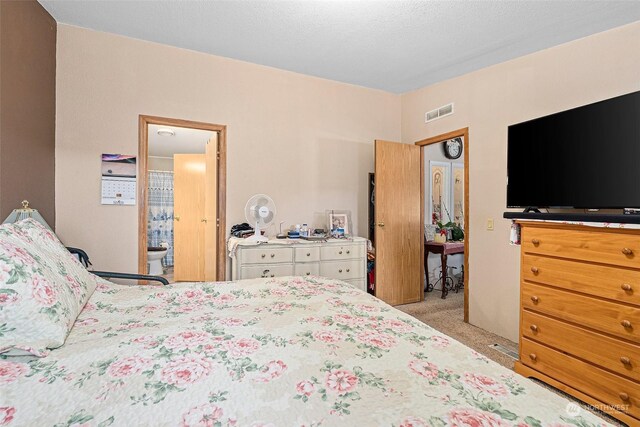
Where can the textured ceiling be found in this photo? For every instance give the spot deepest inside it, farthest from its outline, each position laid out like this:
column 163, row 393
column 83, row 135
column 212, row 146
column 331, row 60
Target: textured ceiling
column 395, row 46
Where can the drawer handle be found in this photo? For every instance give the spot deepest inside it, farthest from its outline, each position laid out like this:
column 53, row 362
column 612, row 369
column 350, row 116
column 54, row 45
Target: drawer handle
column 535, row 299
column 533, row 357
column 340, row 252
column 626, row 287
column 627, row 251
column 534, row 328
column 308, row 274
column 534, row 270
column 308, row 253
column 626, row 324
column 263, row 255
column 340, row 271
column 625, row 360
column 348, row 252
column 348, row 270
column 272, row 275
column 536, row 242
column 273, row 255
column 624, row 396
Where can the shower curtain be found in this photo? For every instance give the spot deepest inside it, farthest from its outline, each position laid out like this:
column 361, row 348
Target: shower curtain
column 160, row 215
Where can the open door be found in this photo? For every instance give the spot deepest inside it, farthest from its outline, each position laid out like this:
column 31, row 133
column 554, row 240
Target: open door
column 189, row 208
column 211, row 209
column 399, row 234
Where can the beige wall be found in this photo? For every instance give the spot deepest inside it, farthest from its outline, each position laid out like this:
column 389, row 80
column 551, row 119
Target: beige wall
column 305, row 141
column 487, row 101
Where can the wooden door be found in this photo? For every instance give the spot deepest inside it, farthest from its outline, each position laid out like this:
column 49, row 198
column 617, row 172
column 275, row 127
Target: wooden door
column 189, row 172
column 210, row 209
column 399, row 235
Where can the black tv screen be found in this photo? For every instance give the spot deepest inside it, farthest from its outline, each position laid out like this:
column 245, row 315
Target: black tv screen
column 587, row 157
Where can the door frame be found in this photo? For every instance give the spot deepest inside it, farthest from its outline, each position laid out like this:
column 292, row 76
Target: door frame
column 143, row 153
column 464, row 133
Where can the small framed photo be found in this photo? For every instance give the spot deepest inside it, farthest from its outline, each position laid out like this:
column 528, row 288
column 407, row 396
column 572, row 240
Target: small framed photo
column 339, row 223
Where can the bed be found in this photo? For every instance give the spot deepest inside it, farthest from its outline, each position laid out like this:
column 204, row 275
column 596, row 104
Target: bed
column 267, row 352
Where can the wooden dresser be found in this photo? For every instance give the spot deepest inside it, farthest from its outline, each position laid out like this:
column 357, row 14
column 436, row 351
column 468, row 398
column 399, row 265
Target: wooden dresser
column 336, row 259
column 580, row 313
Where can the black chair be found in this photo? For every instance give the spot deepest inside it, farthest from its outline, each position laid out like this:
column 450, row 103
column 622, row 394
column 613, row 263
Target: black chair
column 84, row 259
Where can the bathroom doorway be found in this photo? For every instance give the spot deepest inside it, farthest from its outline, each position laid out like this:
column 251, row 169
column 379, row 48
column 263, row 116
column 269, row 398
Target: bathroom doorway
column 181, row 218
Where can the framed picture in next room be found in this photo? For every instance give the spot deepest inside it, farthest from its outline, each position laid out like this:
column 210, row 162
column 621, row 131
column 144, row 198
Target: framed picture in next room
column 457, row 196
column 440, row 192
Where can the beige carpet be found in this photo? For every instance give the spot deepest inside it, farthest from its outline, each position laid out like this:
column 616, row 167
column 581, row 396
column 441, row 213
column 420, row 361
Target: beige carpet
column 447, row 317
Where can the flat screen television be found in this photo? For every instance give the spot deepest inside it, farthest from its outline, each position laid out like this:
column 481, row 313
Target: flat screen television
column 587, row 157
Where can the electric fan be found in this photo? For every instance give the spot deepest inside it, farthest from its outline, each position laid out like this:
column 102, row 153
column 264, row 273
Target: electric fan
column 260, row 210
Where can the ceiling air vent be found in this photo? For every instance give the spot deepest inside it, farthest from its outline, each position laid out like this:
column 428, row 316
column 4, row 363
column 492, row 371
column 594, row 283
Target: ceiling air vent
column 443, row 111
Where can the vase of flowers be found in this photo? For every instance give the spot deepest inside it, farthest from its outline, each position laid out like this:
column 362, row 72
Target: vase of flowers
column 450, row 230
column 441, row 235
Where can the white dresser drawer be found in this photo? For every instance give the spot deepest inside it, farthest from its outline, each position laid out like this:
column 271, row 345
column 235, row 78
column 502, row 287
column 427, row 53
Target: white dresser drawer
column 307, row 269
column 337, row 259
column 359, row 284
column 346, row 251
column 310, row 254
column 343, row 270
column 266, row 270
column 267, row 255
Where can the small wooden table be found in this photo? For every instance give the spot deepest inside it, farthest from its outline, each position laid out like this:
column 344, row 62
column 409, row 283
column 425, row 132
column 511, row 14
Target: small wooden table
column 444, row 249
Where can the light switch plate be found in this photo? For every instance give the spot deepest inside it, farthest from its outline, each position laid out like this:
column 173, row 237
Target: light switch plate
column 490, row 224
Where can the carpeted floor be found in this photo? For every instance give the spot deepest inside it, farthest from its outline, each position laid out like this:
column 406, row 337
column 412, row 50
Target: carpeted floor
column 447, row 316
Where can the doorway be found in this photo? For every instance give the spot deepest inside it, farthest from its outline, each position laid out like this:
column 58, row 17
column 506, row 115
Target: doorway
column 181, row 214
column 445, row 199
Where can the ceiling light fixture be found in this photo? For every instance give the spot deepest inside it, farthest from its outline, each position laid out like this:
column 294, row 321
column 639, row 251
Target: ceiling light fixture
column 166, row 132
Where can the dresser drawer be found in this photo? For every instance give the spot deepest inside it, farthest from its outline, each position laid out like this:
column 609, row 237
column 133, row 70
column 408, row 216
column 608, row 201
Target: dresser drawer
column 588, row 244
column 613, row 354
column 307, row 269
column 309, row 254
column 343, row 270
column 620, row 284
column 609, row 388
column 267, row 255
column 266, row 270
column 337, row 252
column 617, row 319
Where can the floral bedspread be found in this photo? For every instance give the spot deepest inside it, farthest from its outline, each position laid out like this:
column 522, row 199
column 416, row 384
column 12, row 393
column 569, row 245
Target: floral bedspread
column 278, row 352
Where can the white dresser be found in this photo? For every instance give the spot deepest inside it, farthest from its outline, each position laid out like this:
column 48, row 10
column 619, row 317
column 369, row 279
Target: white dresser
column 336, row 259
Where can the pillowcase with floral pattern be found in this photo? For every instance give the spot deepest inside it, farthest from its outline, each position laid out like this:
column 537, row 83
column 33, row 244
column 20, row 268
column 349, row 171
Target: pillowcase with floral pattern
column 50, row 248
column 43, row 288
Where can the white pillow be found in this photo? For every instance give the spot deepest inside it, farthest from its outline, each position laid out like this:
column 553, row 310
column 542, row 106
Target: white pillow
column 43, row 288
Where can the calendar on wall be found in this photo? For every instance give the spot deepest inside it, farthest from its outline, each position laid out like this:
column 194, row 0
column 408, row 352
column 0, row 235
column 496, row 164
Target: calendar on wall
column 118, row 179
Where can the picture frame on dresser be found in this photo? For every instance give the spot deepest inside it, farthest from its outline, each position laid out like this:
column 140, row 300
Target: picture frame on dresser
column 339, row 223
